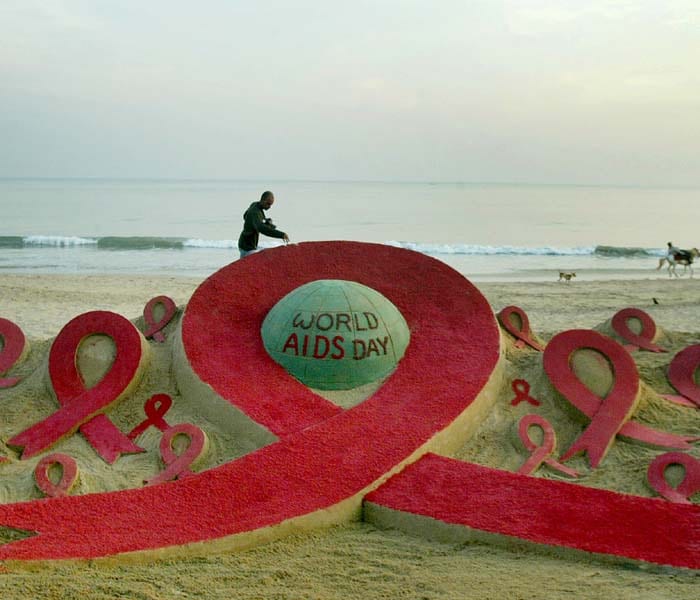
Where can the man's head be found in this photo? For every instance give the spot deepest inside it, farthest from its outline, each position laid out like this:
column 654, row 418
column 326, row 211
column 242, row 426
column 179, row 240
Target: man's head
column 267, row 200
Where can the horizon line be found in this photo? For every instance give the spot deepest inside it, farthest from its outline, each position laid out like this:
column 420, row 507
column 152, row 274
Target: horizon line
column 96, row 178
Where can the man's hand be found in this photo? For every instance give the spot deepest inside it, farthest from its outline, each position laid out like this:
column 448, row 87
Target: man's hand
column 286, row 238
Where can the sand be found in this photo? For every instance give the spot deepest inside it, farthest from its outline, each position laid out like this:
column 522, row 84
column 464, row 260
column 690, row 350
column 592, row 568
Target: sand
column 357, row 560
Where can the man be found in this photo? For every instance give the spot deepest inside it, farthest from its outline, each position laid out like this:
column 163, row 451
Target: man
column 674, row 253
column 255, row 222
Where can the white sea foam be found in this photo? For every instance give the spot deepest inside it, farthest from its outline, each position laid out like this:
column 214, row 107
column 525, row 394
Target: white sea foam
column 199, row 243
column 58, row 240
column 480, row 250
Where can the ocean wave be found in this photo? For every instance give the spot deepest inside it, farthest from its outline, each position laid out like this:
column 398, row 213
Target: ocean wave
column 487, row 250
column 477, row 249
column 434, row 249
column 617, row 251
column 139, row 243
column 59, row 241
column 198, row 243
column 11, row 241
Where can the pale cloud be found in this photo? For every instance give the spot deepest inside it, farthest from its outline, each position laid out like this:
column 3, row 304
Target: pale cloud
column 541, row 17
column 476, row 90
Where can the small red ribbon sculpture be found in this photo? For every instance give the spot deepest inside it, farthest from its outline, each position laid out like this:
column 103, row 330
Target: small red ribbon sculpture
column 68, row 477
column 12, row 348
column 156, row 408
column 83, row 408
column 609, row 416
column 155, row 328
column 690, row 484
column 681, row 375
column 522, row 334
column 543, row 453
column 645, row 336
column 522, row 392
column 179, row 466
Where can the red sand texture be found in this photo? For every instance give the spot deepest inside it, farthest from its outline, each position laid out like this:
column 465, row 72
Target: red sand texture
column 546, row 512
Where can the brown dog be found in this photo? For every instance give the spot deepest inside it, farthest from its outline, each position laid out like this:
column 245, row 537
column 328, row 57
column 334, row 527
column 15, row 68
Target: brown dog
column 566, row 276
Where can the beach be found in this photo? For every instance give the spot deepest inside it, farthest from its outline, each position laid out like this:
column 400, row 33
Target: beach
column 358, row 560
column 42, row 304
column 464, row 361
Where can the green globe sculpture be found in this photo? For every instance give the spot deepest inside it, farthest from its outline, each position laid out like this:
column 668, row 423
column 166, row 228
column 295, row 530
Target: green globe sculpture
column 335, row 335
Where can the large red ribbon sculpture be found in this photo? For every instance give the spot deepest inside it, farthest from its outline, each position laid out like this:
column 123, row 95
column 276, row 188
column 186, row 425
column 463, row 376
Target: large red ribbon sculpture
column 326, row 458
column 609, row 416
column 82, row 408
column 644, row 339
column 12, row 348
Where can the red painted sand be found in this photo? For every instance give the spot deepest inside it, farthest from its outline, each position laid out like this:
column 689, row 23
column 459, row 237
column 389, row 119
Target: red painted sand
column 545, row 511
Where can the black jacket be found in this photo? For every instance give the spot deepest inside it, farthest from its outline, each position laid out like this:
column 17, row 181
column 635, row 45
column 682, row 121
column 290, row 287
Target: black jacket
column 255, row 223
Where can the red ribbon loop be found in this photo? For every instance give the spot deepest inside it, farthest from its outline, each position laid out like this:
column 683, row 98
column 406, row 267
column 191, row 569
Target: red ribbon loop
column 522, row 392
column 14, row 346
column 542, row 453
column 155, row 408
column 608, row 416
column 178, row 466
column 68, row 477
column 82, row 408
column 690, row 484
column 681, row 374
column 641, row 340
column 523, row 334
column 154, row 329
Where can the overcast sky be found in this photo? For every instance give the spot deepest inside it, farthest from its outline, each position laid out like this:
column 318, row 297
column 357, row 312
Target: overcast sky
column 433, row 90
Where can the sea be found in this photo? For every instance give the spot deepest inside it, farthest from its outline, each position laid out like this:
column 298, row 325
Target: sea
column 487, row 231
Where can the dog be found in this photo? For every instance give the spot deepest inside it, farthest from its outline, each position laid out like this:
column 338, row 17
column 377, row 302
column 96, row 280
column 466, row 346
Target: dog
column 566, row 275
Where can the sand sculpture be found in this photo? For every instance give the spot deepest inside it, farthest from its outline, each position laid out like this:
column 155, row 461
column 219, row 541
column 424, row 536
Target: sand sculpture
column 322, row 382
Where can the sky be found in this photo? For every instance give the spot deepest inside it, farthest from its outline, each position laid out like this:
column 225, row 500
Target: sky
column 590, row 92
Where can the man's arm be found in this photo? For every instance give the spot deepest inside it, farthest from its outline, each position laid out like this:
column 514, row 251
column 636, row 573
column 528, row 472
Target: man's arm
column 258, row 223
